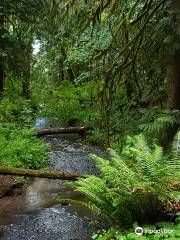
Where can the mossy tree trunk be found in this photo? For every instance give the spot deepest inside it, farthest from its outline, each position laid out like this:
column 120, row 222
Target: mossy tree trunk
column 1, row 55
column 173, row 71
column 174, row 60
column 27, row 70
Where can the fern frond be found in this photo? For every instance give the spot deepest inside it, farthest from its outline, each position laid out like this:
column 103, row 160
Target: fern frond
column 173, row 162
column 158, row 121
column 123, row 191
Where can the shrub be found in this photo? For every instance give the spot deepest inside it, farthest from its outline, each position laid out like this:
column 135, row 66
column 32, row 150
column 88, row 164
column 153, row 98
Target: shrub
column 20, row 147
column 159, row 231
column 17, row 110
column 69, row 102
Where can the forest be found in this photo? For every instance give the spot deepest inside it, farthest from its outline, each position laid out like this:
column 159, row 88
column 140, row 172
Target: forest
column 108, row 72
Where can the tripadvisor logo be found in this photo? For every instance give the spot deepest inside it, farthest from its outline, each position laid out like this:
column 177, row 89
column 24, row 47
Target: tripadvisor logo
column 139, row 231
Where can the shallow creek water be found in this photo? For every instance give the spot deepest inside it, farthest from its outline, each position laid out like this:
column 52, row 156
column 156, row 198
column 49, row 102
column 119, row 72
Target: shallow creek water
column 37, row 215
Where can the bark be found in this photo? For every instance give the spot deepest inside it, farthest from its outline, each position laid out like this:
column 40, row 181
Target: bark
column 173, row 97
column 1, row 57
column 1, row 76
column 27, row 70
column 173, row 75
column 61, row 74
column 52, row 131
column 174, row 82
column 70, row 74
column 38, row 173
column 174, row 61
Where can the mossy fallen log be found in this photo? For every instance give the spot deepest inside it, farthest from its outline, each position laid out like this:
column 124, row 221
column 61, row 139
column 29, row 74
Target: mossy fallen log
column 38, row 173
column 52, row 131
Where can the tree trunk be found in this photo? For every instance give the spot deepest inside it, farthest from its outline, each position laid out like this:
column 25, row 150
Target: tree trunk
column 173, row 74
column 173, row 95
column 70, row 73
column 1, row 76
column 174, row 61
column 27, row 70
column 61, row 75
column 1, row 56
column 174, row 82
column 61, row 71
column 38, row 173
column 52, row 131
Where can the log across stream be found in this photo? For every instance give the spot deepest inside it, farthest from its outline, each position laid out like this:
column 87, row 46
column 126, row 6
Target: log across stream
column 53, row 131
column 39, row 173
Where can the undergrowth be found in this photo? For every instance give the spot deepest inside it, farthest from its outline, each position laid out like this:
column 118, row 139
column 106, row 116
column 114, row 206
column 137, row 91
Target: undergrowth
column 18, row 111
column 21, row 148
column 159, row 231
column 133, row 185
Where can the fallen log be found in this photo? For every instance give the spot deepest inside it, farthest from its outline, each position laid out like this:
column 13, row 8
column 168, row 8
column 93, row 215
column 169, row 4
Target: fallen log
column 52, row 131
column 38, row 173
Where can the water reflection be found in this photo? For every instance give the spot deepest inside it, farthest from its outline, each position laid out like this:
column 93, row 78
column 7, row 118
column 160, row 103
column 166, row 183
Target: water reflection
column 40, row 194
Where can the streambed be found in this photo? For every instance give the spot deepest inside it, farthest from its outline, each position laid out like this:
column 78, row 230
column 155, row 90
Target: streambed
column 36, row 215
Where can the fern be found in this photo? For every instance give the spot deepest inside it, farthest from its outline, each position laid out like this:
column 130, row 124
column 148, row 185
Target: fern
column 150, row 164
column 130, row 190
column 174, row 157
column 156, row 121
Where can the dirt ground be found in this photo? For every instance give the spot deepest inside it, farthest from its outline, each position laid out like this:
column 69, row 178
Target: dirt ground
column 9, row 193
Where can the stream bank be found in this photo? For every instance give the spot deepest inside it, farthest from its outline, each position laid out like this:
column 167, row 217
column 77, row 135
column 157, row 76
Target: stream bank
column 37, row 215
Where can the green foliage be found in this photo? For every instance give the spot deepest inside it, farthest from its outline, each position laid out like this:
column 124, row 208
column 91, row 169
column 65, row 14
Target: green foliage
column 132, row 184
column 157, row 232
column 96, row 135
column 71, row 102
column 88, row 43
column 21, row 148
column 18, row 24
column 17, row 110
column 155, row 121
column 113, row 46
column 112, row 54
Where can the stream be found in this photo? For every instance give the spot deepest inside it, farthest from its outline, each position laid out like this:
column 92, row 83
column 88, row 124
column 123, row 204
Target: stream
column 37, row 215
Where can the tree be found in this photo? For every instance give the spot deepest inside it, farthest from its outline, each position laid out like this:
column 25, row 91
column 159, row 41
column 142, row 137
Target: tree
column 132, row 60
column 1, row 54
column 18, row 26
